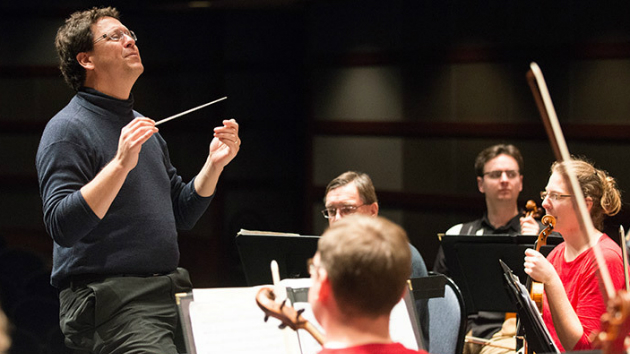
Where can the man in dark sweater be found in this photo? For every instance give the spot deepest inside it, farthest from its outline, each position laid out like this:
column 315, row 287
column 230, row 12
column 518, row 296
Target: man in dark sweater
column 112, row 200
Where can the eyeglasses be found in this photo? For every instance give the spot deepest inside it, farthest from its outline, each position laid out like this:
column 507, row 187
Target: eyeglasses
column 553, row 196
column 343, row 211
column 310, row 265
column 117, row 35
column 498, row 173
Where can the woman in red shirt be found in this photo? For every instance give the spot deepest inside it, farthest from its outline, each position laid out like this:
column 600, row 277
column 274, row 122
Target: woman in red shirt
column 572, row 302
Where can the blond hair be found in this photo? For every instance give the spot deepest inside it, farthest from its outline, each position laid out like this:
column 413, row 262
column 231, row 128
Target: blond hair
column 596, row 184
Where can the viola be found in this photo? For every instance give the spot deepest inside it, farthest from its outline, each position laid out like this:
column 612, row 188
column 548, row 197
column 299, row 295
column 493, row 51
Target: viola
column 266, row 300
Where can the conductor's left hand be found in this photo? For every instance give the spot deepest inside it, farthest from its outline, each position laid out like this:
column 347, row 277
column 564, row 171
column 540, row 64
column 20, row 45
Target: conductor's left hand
column 225, row 144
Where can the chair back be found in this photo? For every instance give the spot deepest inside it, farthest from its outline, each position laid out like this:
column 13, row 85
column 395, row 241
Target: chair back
column 447, row 320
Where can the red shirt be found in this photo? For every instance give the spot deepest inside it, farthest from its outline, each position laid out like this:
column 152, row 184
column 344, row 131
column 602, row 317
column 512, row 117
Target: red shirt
column 392, row 348
column 581, row 283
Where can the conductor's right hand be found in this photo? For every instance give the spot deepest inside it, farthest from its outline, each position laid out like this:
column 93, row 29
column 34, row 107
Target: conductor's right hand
column 100, row 193
column 132, row 136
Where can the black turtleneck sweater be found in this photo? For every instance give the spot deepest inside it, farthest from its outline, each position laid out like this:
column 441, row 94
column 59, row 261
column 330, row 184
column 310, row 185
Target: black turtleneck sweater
column 138, row 235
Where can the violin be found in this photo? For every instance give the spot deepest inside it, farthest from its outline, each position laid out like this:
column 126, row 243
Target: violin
column 532, row 209
column 536, row 289
column 615, row 324
column 266, row 300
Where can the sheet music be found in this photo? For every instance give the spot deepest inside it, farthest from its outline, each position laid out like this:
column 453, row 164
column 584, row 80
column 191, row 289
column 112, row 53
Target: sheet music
column 266, row 233
column 228, row 320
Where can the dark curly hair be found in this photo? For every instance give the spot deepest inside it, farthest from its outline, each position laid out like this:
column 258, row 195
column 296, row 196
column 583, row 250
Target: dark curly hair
column 76, row 36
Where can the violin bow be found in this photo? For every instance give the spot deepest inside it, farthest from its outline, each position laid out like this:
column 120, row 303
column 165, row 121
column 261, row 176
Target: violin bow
column 552, row 126
column 624, row 253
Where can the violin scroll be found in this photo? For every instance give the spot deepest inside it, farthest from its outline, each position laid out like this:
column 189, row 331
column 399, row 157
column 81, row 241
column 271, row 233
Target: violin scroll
column 549, row 221
column 532, row 209
column 266, row 300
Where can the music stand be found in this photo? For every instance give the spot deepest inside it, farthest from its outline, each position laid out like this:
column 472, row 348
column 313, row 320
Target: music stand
column 291, row 251
column 536, row 333
column 473, row 263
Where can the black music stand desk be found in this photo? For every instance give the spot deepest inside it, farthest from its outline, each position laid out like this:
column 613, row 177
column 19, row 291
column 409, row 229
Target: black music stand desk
column 473, row 263
column 291, row 251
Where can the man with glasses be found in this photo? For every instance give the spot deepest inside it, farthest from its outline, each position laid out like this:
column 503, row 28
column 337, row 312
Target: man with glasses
column 353, row 192
column 112, row 200
column 354, row 322
column 499, row 177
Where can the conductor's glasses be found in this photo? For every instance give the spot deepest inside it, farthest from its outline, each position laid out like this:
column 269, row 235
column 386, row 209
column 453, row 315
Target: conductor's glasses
column 496, row 174
column 117, row 35
column 343, row 211
column 553, row 196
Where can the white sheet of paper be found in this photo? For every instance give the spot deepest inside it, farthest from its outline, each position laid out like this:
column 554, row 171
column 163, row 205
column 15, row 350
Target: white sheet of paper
column 400, row 327
column 228, row 320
